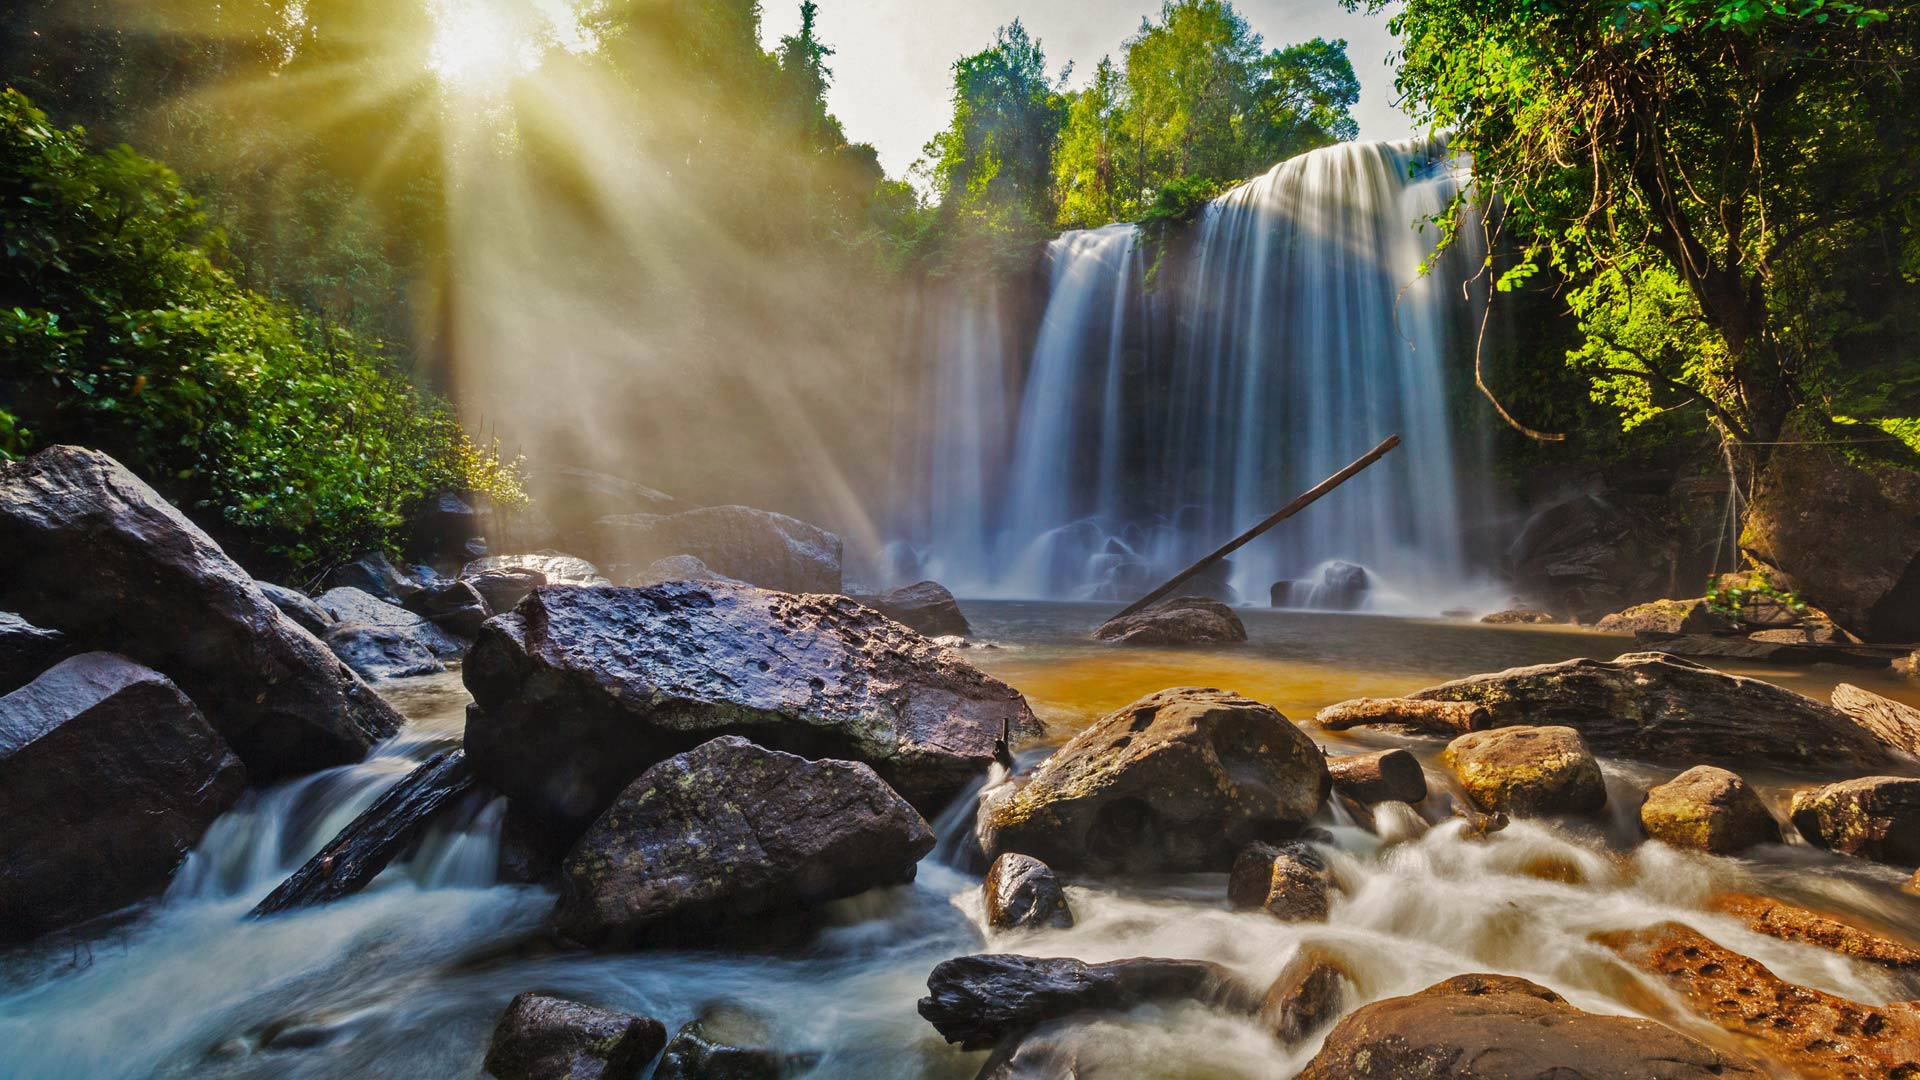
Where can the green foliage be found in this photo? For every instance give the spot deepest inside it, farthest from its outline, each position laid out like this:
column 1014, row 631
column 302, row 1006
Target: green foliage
column 996, row 155
column 119, row 329
column 1728, row 597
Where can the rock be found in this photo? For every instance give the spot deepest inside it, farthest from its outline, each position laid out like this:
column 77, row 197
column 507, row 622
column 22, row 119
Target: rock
column 730, row 832
column 382, row 653
column 1659, row 708
column 1342, row 587
column 1213, row 583
column 454, row 606
column 1497, row 1027
column 108, row 776
column 1775, row 918
column 100, row 556
column 1308, row 994
column 1708, row 809
column 728, row 1043
column 678, row 568
column 573, row 499
column 1664, row 617
column 1589, row 553
column 760, row 547
column 26, row 650
column 1908, row 665
column 446, row 526
column 1382, row 776
column 1280, row 594
column 1291, row 883
column 1021, row 893
column 579, row 690
column 1874, row 817
column 1528, row 771
column 555, row 567
column 977, row 1001
column 926, row 607
column 1183, row 620
column 550, row 1038
column 1179, row 780
column 1810, row 634
column 1871, row 583
column 504, row 589
column 352, row 607
column 374, row 574
column 1521, row 617
column 1893, row 723
column 1432, row 717
column 1712, row 647
column 1817, row 1035
column 299, row 607
column 352, row 859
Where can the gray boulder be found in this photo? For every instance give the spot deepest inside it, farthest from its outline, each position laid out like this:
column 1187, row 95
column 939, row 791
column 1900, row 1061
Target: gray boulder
column 382, row 653
column 503, row 589
column 926, row 607
column 351, row 607
column 299, row 607
column 759, row 547
column 26, row 650
column 454, row 606
column 549, row 1038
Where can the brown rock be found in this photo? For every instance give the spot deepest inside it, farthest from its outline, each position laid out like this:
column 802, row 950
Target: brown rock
column 1660, row 617
column 1708, row 809
column 1022, row 893
column 1908, row 665
column 1183, row 620
column 1890, row 721
column 1291, row 883
column 1528, row 771
column 1382, row 776
column 925, row 607
column 1874, row 817
column 1412, row 714
column 1521, row 617
column 1309, row 992
column 550, row 1038
column 1776, row 918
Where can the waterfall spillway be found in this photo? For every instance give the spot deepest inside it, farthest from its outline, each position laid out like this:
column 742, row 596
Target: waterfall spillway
column 1289, row 329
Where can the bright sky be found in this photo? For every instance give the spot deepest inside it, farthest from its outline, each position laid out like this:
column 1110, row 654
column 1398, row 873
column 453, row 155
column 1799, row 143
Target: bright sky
column 891, row 71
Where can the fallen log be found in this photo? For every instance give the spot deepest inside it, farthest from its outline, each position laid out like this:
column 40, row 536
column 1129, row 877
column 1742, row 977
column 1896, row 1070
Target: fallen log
column 1433, row 717
column 371, row 841
column 1891, row 722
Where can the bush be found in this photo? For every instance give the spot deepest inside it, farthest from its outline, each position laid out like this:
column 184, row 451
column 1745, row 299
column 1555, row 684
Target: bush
column 119, row 329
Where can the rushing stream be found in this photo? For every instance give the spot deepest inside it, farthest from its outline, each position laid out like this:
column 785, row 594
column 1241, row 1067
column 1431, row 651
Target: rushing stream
column 408, row 979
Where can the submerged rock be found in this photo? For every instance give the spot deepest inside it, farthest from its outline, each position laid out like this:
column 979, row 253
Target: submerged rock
column 1776, row 918
column 727, row 1042
column 729, row 832
column 1874, row 817
column 579, row 690
column 26, row 650
column 1382, row 776
column 1308, row 994
column 108, row 776
column 1021, row 893
column 1497, row 1027
column 977, row 1001
column 1291, row 883
column 549, row 1038
column 1528, row 771
column 97, row 554
column 926, row 607
column 1183, row 620
column 759, row 547
column 1708, row 809
column 1179, row 780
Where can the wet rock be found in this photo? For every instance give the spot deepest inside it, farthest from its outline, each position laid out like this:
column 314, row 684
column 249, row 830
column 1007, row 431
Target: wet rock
column 454, row 606
column 1521, row 617
column 1382, row 776
column 108, row 776
column 728, row 1043
column 730, row 832
column 579, row 690
column 678, row 568
column 926, row 607
column 1660, row 708
column 1291, row 882
column 1528, row 771
column 375, row 574
column 98, row 555
column 352, row 607
column 1179, row 780
column 572, row 499
column 1343, row 586
column 549, row 1038
column 977, row 1001
column 1280, row 594
column 1708, row 809
column 1892, row 722
column 557, row 568
column 1874, row 817
column 759, row 547
column 1817, row 1035
column 26, row 650
column 382, row 653
column 1308, row 994
column 446, row 526
column 1021, row 893
column 299, row 607
column 1497, row 1027
column 1410, row 714
column 1712, row 647
column 504, row 589
column 1665, row 617
column 1183, row 620
column 1776, row 918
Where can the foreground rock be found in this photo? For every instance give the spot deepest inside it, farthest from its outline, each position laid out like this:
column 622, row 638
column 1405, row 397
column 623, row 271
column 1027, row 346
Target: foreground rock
column 98, row 555
column 759, row 547
column 1775, row 918
column 299, row 607
column 978, row 1001
column 1408, row 714
column 728, row 1043
column 1874, row 817
column 1708, row 809
column 550, row 1038
column 1818, row 1035
column 729, row 832
column 1308, row 994
column 1497, row 1027
column 1528, row 771
column 26, row 650
column 579, row 690
column 1183, row 620
column 108, row 776
column 926, row 607
column 1892, row 722
column 1382, row 776
column 1291, row 883
column 1178, row 781
column 1021, row 893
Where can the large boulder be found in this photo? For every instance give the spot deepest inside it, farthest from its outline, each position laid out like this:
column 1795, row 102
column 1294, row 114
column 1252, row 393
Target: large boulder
column 1497, row 1027
column 926, row 607
column 579, row 690
column 97, row 554
column 1179, row 780
column 1382, row 776
column 1708, row 809
column 108, row 776
column 504, row 588
column 1183, row 620
column 728, row 833
column 1306, row 996
column 977, row 1001
column 26, row 650
column 1528, row 771
column 299, row 607
column 1660, row 708
column 382, row 653
column 1874, row 817
column 760, row 547
column 1022, row 893
column 548, row 1038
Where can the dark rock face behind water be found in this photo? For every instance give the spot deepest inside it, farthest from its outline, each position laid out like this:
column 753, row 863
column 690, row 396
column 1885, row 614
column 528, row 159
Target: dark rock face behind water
column 580, row 690
column 760, row 547
column 730, row 832
column 97, row 554
column 1180, row 780
column 977, row 1001
column 26, row 650
column 108, row 776
column 1497, row 1027
column 925, row 607
column 1183, row 620
column 549, row 1038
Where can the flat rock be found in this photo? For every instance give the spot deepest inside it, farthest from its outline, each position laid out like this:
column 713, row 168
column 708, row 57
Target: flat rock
column 1788, row 922
column 1708, row 809
column 556, row 567
column 977, row 1001
column 1528, row 771
column 926, row 607
column 108, row 777
column 1180, row 780
column 26, row 650
column 548, row 1038
column 1022, row 893
column 580, row 689
column 98, row 555
column 1522, row 617
column 1382, row 776
column 729, row 832
column 760, row 547
column 1183, row 620
column 382, row 653
column 1873, row 817
column 1447, row 718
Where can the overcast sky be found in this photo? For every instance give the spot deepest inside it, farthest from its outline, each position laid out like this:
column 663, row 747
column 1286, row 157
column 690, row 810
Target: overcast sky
column 891, row 69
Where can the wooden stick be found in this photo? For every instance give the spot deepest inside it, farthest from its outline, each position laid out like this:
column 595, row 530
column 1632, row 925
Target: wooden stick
column 1298, row 504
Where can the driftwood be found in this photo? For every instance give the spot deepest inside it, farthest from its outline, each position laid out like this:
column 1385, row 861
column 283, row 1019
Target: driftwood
column 1300, row 502
column 1891, row 722
column 1433, row 717
column 372, row 840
